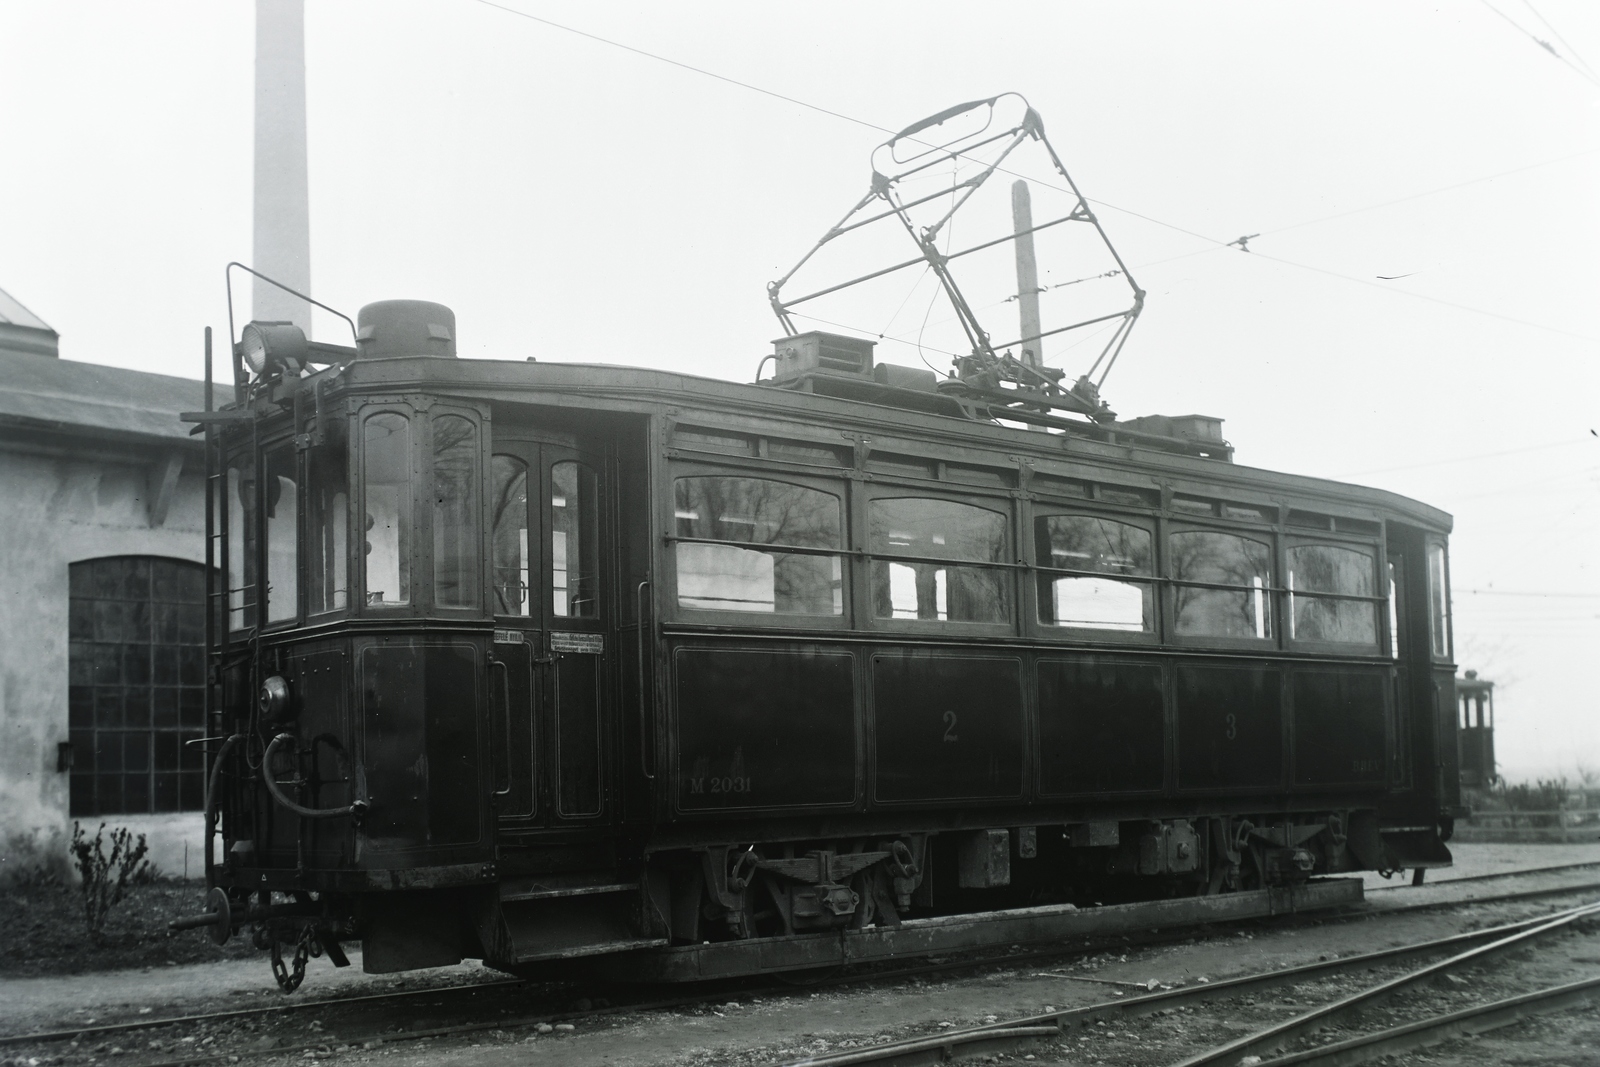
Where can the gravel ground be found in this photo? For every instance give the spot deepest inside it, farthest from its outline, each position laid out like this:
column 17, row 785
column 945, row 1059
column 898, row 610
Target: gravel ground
column 767, row 1029
column 764, row 1028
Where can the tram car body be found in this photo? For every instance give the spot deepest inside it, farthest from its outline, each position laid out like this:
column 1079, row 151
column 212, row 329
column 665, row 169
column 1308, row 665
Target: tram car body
column 554, row 664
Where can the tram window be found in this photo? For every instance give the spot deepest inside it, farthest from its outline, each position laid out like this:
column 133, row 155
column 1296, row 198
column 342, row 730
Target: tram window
column 386, row 443
column 1438, row 601
column 455, row 512
column 241, row 544
column 1094, row 601
column 327, row 525
column 926, row 587
column 1342, row 572
column 574, row 541
column 512, row 567
column 753, row 573
column 1232, row 581
column 282, row 506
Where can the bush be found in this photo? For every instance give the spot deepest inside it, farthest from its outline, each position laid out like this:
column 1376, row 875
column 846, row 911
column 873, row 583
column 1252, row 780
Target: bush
column 106, row 878
column 1544, row 794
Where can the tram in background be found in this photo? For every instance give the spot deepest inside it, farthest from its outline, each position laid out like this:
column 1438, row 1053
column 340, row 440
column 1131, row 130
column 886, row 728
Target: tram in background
column 1475, row 732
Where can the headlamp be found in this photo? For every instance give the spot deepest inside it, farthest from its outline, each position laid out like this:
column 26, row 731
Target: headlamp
column 266, row 346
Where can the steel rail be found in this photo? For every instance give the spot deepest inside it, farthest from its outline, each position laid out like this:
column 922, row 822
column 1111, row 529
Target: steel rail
column 236, row 1013
column 331, row 1040
column 1276, row 1036
column 943, row 1045
column 1464, row 1023
column 1054, row 952
column 1087, row 1015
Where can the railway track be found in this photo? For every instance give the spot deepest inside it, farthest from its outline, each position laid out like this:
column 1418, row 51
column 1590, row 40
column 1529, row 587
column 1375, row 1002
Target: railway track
column 552, row 1013
column 1252, row 1047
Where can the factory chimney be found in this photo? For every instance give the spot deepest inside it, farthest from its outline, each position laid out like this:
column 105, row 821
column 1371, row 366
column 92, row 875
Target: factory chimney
column 282, row 208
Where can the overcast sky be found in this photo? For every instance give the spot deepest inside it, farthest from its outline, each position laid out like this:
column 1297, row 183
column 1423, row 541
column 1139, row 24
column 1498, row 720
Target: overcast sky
column 573, row 200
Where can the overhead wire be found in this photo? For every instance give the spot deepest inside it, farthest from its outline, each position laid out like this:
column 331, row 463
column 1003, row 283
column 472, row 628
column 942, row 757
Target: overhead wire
column 1546, row 45
column 915, row 285
column 1430, row 192
column 1373, row 207
column 1430, row 299
column 687, row 66
column 1101, row 203
column 1571, row 51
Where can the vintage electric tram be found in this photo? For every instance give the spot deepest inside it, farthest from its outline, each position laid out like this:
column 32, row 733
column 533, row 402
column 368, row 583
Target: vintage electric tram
column 561, row 665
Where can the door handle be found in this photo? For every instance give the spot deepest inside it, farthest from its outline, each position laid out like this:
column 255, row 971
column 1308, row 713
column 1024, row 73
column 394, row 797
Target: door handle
column 646, row 766
column 505, row 678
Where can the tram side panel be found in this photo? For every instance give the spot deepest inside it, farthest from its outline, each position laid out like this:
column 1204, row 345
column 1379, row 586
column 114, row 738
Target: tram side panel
column 771, row 735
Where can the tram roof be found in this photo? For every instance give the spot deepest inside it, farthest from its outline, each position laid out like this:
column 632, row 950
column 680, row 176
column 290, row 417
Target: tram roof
column 623, row 388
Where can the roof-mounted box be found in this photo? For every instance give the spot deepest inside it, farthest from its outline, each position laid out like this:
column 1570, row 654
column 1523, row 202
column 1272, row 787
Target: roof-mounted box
column 1203, row 428
column 823, row 353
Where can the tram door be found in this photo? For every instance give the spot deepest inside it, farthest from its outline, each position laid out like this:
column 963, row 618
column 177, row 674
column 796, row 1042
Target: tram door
column 550, row 592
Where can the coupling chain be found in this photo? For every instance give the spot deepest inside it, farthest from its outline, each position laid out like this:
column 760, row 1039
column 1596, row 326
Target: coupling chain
column 306, row 946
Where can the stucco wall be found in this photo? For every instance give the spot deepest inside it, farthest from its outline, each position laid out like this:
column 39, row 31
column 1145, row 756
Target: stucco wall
column 56, row 511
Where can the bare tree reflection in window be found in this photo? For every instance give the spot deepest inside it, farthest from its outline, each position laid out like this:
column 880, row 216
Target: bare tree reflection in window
column 928, row 588
column 1332, row 569
column 1221, row 559
column 751, row 577
column 509, row 509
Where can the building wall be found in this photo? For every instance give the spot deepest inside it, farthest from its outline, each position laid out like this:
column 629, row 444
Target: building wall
column 59, row 509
